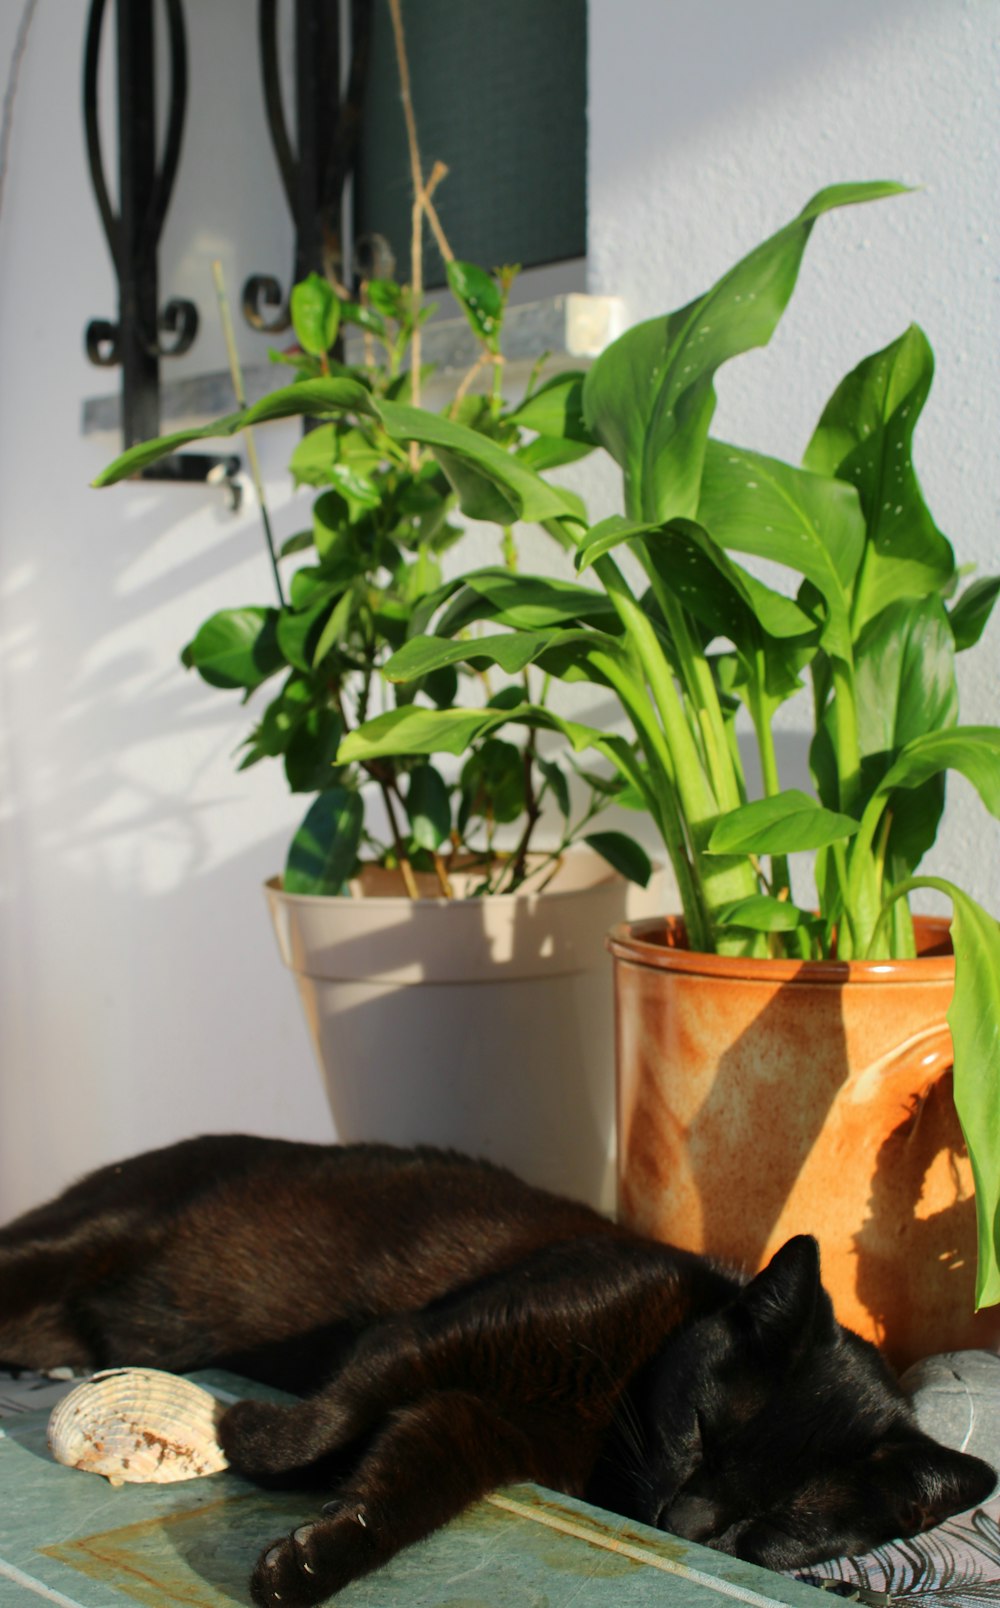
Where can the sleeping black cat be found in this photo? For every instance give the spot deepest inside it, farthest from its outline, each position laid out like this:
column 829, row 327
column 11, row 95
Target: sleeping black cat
column 454, row 1330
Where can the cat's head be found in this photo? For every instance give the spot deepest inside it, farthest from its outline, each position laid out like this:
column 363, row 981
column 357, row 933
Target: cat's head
column 774, row 1434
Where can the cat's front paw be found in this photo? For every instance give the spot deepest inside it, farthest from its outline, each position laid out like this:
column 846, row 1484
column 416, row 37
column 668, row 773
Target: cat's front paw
column 261, row 1438
column 314, row 1562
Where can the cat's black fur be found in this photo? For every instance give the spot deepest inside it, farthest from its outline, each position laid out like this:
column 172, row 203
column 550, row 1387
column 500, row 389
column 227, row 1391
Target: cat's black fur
column 455, row 1329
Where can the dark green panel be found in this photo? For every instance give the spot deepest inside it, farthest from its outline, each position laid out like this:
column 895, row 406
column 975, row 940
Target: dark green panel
column 499, row 91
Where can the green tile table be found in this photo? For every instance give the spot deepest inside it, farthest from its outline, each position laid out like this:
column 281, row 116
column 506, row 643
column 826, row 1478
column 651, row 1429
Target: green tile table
column 70, row 1540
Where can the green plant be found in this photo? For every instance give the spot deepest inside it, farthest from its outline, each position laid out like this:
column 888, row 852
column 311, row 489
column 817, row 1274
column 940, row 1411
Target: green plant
column 369, row 572
column 876, row 620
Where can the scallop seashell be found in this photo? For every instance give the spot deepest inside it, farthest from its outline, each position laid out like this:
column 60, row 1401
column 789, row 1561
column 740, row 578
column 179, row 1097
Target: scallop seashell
column 138, row 1425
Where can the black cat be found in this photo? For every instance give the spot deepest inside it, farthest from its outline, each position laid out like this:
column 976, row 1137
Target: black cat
column 454, row 1330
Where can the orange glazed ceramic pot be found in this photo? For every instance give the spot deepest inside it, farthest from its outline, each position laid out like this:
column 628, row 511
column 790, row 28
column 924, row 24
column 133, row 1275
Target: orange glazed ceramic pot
column 763, row 1098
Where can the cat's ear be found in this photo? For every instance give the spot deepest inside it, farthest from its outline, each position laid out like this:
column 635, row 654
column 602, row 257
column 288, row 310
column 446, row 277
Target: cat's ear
column 786, row 1303
column 924, row 1483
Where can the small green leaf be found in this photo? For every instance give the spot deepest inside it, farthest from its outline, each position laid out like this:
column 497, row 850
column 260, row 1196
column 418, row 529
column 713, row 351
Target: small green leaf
column 299, row 633
column 555, row 776
column 428, row 806
column 628, row 857
column 479, row 297
column 312, row 751
column 490, row 482
column 760, row 913
column 556, row 409
column 781, row 824
column 236, row 648
column 360, row 491
column 325, row 847
column 315, row 310
column 335, row 630
column 492, row 782
column 314, row 456
column 972, row 611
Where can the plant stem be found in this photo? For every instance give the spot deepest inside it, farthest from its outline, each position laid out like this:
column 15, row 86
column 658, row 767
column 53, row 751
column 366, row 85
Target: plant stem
column 387, row 786
column 727, row 878
column 239, row 391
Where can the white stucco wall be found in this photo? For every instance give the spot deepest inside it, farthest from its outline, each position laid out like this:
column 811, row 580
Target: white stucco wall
column 140, row 994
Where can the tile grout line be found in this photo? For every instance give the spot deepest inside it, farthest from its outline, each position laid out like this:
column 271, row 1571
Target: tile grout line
column 31, row 1584
column 630, row 1549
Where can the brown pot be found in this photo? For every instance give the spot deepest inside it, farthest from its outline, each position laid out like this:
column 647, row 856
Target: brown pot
column 762, row 1098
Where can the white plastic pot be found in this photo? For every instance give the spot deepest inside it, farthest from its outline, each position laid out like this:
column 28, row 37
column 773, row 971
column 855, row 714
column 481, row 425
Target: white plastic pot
column 482, row 1024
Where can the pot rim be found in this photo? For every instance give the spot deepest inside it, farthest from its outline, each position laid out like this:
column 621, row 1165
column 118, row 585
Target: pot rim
column 659, row 944
column 389, row 901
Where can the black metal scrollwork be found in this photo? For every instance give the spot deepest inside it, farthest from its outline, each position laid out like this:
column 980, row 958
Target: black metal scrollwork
column 263, row 290
column 143, row 332
column 314, row 172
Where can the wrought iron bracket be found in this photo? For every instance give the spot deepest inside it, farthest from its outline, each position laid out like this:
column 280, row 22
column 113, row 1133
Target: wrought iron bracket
column 143, row 332
column 327, row 126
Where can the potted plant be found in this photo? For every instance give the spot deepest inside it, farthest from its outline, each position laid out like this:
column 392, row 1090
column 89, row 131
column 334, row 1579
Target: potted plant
column 821, row 1003
column 874, row 618
column 410, row 896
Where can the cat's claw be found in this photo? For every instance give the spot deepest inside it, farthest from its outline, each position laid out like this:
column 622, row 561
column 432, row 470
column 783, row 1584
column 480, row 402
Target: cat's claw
column 314, row 1562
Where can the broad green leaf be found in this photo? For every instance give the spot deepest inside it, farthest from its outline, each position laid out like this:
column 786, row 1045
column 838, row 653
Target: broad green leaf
column 649, row 398
column 556, row 409
column 310, row 757
column 628, row 857
column 865, row 437
column 428, row 806
column 418, row 731
column 974, row 1019
column 489, row 481
column 236, row 648
column 904, row 665
column 972, row 750
column 551, row 452
column 761, row 913
column 299, row 633
column 782, row 824
column 306, row 397
column 705, row 581
column 452, row 731
column 526, row 602
column 511, row 650
column 972, row 611
column 315, row 310
column 813, row 525
column 325, row 847
column 315, row 583
column 478, row 295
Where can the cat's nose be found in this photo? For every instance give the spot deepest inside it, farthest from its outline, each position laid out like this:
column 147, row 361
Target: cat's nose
column 694, row 1518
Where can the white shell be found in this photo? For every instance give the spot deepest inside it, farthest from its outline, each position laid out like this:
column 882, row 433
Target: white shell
column 138, row 1425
